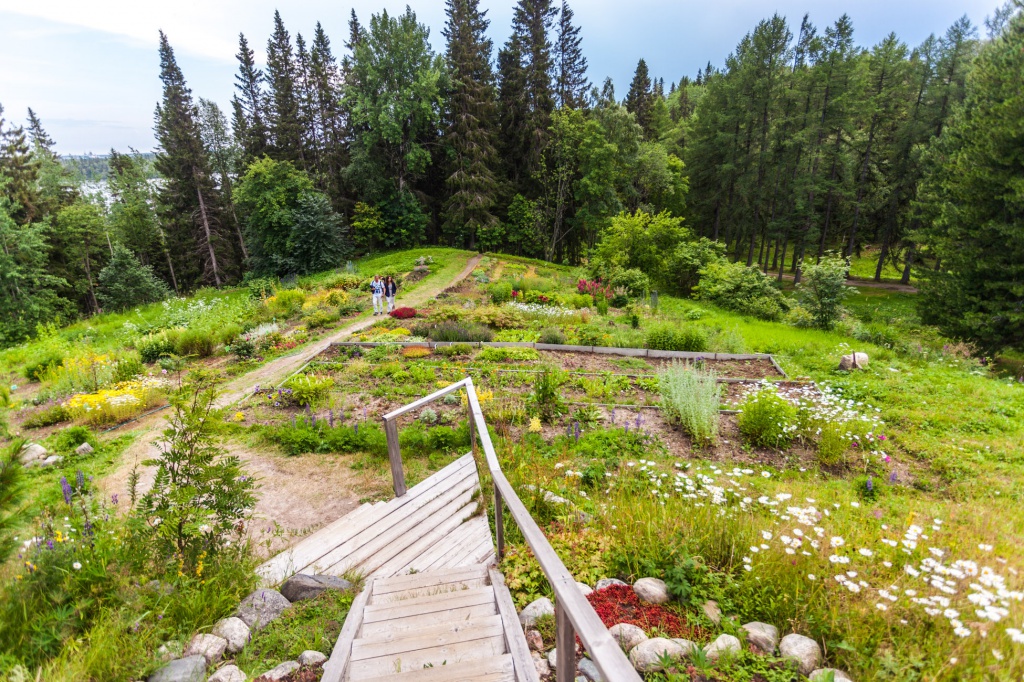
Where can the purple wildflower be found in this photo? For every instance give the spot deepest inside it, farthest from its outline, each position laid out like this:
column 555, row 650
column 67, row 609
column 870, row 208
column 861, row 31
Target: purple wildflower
column 892, row 478
column 613, row 416
column 870, row 484
column 80, row 479
column 576, row 430
column 113, row 499
column 65, row 488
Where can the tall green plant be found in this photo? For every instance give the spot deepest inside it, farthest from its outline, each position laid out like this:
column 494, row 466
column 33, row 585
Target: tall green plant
column 690, row 395
column 824, row 289
column 10, row 496
column 546, row 396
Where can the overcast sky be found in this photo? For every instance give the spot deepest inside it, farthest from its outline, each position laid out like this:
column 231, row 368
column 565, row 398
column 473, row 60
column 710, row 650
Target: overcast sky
column 90, row 69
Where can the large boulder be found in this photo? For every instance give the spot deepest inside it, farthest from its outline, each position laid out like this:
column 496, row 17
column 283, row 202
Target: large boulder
column 189, row 669
column 84, row 449
column 262, row 607
column 821, row 674
column 804, row 650
column 725, row 644
column 853, row 361
column 762, row 636
column 627, row 635
column 234, row 631
column 279, row 673
column 646, row 656
column 210, row 647
column 311, row 657
column 302, row 586
column 688, row 646
column 651, row 590
column 32, row 452
column 229, row 673
column 536, row 609
column 608, row 582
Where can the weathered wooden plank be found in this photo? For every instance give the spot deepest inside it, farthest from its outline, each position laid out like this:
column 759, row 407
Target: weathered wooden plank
column 395, row 565
column 432, row 604
column 493, row 669
column 515, row 640
column 479, row 537
column 394, row 644
column 446, row 588
column 416, row 580
column 457, row 652
column 334, row 668
column 431, row 559
column 428, row 619
column 395, row 457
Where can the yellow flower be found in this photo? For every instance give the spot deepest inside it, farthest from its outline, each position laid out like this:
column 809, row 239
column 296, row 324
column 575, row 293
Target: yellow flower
column 534, row 425
column 239, row 416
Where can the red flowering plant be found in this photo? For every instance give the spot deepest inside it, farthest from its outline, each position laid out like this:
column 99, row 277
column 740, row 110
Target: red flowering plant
column 594, row 287
column 403, row 313
column 619, row 604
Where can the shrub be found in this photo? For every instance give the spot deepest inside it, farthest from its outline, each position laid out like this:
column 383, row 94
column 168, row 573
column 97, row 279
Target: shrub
column 39, row 366
column 832, row 443
column 601, row 303
column 689, row 338
column 308, row 390
column 633, row 280
column 54, row 414
column 261, row 287
column 552, row 335
column 454, row 350
column 229, row 332
column 690, row 396
column 116, row 404
column 767, row 419
column 403, row 313
column 127, row 367
column 508, row 355
column 501, row 318
column 547, row 396
column 618, row 301
column 151, row 348
column 320, row 318
column 287, row 302
column 823, row 290
column 453, row 332
column 737, row 287
column 500, row 292
column 243, row 347
column 195, row 343
column 350, row 308
column 125, row 282
column 413, row 352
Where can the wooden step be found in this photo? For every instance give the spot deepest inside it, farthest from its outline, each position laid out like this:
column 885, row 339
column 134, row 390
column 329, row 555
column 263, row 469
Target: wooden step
column 471, row 532
column 395, row 643
column 399, row 565
column 417, row 653
column 417, row 580
column 426, row 620
column 492, row 669
column 428, row 604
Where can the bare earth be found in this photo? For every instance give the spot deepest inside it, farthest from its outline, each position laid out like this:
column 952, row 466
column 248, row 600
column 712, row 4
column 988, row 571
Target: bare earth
column 297, row 495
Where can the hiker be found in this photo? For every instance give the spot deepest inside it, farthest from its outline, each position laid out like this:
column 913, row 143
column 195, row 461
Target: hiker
column 377, row 289
column 390, row 288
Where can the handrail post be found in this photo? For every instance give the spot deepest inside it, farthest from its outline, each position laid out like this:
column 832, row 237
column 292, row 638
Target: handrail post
column 499, row 523
column 565, row 643
column 472, row 427
column 395, row 456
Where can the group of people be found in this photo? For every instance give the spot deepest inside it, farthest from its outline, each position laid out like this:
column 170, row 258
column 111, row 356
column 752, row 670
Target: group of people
column 383, row 291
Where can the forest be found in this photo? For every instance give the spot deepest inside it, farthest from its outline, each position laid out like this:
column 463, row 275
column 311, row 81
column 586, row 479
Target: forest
column 803, row 145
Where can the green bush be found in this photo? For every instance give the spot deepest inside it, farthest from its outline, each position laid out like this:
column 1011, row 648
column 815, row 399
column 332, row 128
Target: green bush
column 508, row 355
column 823, row 290
column 54, row 414
column 350, row 308
column 579, row 301
column 832, row 443
column 39, row 366
column 546, row 397
column 500, row 292
column 66, row 440
column 689, row 338
column 633, row 280
column 128, row 366
column 454, row 350
column 229, row 332
column 308, row 390
column 453, row 332
column 287, row 302
column 745, row 290
column 320, row 318
column 768, row 420
column 261, row 287
column 601, row 303
column 195, row 343
column 690, row 396
column 154, row 346
column 552, row 335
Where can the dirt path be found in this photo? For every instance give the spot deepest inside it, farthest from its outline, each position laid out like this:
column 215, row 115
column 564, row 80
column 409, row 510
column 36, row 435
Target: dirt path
column 871, row 284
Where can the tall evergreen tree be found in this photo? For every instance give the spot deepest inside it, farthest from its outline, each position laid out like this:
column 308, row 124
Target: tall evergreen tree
column 325, row 87
column 224, row 157
column 470, row 125
column 189, row 203
column 284, row 116
column 22, row 170
column 640, row 99
column 571, row 84
column 249, row 105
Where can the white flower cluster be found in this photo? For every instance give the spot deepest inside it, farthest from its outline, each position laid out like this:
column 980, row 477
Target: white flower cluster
column 540, row 310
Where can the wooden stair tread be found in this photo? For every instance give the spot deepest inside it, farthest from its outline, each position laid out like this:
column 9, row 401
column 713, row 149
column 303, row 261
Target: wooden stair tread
column 429, row 590
column 428, row 604
column 430, row 619
column 492, row 669
column 394, row 643
column 416, row 580
column 435, row 656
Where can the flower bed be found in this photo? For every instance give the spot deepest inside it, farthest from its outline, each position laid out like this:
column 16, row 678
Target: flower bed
column 112, row 405
column 619, row 604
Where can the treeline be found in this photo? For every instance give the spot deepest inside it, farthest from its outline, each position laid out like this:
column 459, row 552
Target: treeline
column 93, row 168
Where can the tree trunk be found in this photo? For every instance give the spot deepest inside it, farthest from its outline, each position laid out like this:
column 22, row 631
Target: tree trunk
column 782, row 261
column 209, row 236
column 910, row 262
column 88, row 276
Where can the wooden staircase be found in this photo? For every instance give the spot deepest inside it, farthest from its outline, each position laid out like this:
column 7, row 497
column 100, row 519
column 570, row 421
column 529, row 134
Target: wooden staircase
column 451, row 624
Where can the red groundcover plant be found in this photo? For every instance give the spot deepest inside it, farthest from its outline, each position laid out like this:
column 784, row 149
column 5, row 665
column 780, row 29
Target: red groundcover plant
column 619, row 604
column 403, row 313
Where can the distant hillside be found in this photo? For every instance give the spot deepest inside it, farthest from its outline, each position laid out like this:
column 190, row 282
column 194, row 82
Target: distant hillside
column 94, row 168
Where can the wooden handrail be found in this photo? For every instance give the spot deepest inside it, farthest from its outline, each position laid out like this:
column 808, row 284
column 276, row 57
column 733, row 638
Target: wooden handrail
column 573, row 613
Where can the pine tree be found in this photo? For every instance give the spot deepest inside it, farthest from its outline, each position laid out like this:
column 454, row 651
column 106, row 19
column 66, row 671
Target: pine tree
column 470, row 121
column 40, row 139
column 189, row 203
column 21, row 169
column 318, row 239
column 249, row 106
column 640, row 100
column 125, row 282
column 285, row 122
column 329, row 121
column 572, row 85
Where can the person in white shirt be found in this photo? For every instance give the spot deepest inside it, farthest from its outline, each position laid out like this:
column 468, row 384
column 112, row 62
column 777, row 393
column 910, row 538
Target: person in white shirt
column 377, row 289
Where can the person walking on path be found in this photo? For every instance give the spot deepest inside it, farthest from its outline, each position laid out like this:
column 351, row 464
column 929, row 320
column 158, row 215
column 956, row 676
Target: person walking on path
column 377, row 289
column 390, row 289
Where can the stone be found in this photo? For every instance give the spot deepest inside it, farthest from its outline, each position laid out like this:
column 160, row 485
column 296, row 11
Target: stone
column 553, row 658
column 229, row 673
column 262, row 607
column 30, row 452
column 84, row 449
column 712, row 611
column 169, row 651
column 651, row 590
column 627, row 635
column 724, row 644
column 608, row 582
column 302, row 586
column 536, row 609
column 762, row 636
column 234, row 631
column 311, row 657
column 821, row 674
column 52, row 460
column 589, row 670
column 540, row 664
column 853, row 361
column 210, row 647
column 804, row 650
column 189, row 669
column 279, row 673
column 646, row 656
column 688, row 646
column 534, row 640
column 585, row 589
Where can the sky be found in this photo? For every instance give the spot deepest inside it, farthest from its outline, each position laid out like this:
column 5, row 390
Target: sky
column 90, row 69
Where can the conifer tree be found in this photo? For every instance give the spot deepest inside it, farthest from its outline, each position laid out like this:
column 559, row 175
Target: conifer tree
column 40, row 139
column 189, row 204
column 21, row 169
column 572, row 84
column 640, row 100
column 125, row 282
column 329, row 122
column 285, row 122
column 471, row 182
column 224, row 157
column 249, row 106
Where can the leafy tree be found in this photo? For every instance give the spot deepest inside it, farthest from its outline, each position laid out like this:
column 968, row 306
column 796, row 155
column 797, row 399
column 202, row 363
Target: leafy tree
column 268, row 196
column 80, row 245
column 318, row 240
column 823, row 290
column 125, row 282
column 640, row 241
column 367, row 225
column 685, row 263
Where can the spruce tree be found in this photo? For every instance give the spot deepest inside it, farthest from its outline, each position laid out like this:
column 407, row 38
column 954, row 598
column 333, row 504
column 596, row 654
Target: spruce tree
column 640, row 100
column 125, row 282
column 40, row 139
column 284, row 116
column 249, row 105
column 572, row 84
column 325, row 87
column 21, row 169
column 470, row 115
column 189, row 204
column 318, row 239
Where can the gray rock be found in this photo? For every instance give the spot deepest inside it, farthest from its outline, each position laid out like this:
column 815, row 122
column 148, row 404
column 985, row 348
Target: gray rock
column 553, row 658
column 169, row 651
column 585, row 589
column 234, row 631
column 763, row 636
column 627, row 635
column 651, row 590
column 534, row 640
column 311, row 657
column 31, row 452
column 687, row 646
column 229, row 673
column 853, row 361
column 821, row 674
column 540, row 664
column 580, row 678
column 724, row 644
column 52, row 460
column 536, row 609
column 589, row 670
column 303, row 586
column 804, row 650
column 190, row 669
column 210, row 647
column 608, row 582
column 712, row 611
column 262, row 607
column 646, row 656
column 279, row 673
column 84, row 449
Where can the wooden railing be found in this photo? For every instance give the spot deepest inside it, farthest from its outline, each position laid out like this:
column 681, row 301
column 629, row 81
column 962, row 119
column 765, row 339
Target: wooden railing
column 573, row 613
